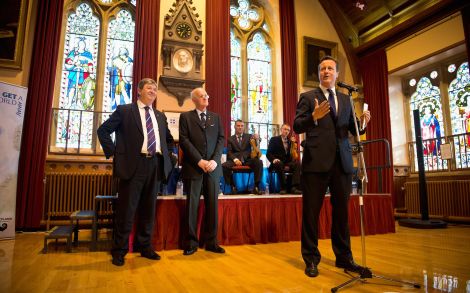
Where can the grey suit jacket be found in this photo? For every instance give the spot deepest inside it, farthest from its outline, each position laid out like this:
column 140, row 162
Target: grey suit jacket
column 198, row 143
column 326, row 137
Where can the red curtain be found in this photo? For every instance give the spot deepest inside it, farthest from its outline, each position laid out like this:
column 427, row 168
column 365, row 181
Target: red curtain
column 38, row 114
column 466, row 28
column 375, row 78
column 218, row 59
column 289, row 60
column 146, row 44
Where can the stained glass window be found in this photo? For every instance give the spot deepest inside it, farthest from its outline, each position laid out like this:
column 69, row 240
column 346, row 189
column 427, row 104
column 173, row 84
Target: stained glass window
column 459, row 100
column 80, row 93
column 251, row 68
column 427, row 100
column 78, row 77
column 259, row 83
column 119, row 62
column 236, row 74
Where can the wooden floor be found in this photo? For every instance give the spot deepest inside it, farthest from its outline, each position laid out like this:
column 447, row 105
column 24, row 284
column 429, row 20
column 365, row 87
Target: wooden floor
column 248, row 268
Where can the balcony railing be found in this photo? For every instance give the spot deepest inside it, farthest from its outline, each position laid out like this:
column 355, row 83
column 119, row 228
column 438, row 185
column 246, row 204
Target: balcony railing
column 433, row 160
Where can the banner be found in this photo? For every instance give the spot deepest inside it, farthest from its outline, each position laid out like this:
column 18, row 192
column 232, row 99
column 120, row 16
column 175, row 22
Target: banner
column 12, row 107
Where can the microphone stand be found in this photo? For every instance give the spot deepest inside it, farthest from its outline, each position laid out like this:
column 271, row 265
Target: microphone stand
column 366, row 273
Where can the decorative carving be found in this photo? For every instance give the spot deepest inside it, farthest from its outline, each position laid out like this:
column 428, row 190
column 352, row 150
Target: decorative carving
column 182, row 50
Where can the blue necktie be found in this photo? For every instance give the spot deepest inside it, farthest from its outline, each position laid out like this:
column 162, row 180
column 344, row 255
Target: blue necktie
column 331, row 100
column 151, row 147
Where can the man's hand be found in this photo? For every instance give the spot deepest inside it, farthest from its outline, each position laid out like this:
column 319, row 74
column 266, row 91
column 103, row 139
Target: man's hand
column 237, row 162
column 320, row 110
column 211, row 166
column 365, row 118
column 203, row 165
column 275, row 161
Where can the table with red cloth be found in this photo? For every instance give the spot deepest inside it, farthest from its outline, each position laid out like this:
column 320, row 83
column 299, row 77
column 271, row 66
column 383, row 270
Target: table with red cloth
column 266, row 219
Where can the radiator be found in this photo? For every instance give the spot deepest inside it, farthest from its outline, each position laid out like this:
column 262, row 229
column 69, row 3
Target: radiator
column 68, row 192
column 449, row 198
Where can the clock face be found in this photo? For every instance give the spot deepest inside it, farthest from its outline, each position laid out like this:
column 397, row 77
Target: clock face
column 183, row 30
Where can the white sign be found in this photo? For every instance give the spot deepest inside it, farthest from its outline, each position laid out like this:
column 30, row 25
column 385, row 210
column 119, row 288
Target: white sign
column 12, row 107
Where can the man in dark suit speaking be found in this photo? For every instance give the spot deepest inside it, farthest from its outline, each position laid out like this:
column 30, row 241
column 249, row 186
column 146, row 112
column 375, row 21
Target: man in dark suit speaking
column 202, row 142
column 141, row 157
column 325, row 116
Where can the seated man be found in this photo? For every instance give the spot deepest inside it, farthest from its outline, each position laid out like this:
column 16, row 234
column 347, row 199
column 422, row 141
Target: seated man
column 239, row 153
column 280, row 151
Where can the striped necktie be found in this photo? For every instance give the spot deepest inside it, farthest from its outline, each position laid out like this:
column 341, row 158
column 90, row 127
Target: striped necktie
column 203, row 119
column 151, row 147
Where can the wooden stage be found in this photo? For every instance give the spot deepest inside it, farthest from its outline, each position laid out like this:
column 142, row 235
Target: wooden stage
column 246, row 219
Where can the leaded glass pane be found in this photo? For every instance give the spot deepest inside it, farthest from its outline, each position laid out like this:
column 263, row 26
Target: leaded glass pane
column 119, row 61
column 235, row 89
column 427, row 100
column 259, row 84
column 459, row 98
column 244, row 15
column 78, row 78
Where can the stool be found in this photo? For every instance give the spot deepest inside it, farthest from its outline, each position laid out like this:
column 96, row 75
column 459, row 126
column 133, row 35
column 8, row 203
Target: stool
column 84, row 215
column 57, row 233
column 287, row 172
column 98, row 208
column 241, row 169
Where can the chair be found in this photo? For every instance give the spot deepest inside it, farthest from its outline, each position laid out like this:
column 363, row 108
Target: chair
column 241, row 169
column 287, row 172
column 75, row 219
column 101, row 214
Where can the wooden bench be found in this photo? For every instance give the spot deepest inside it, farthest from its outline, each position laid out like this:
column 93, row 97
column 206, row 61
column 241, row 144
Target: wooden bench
column 59, row 232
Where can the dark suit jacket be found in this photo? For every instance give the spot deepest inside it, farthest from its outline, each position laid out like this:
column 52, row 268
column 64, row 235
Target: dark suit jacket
column 235, row 150
column 199, row 143
column 322, row 140
column 125, row 122
column 276, row 150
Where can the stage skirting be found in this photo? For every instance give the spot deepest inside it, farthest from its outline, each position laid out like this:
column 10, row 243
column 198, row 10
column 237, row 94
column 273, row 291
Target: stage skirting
column 267, row 219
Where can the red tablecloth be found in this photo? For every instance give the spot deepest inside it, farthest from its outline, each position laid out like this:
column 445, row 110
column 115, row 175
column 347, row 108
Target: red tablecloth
column 265, row 219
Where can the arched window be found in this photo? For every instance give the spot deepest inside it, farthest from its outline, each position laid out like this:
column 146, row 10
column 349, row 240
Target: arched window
column 251, row 69
column 442, row 96
column 95, row 71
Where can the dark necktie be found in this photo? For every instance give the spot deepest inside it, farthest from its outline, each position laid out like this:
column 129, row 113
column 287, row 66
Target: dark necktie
column 203, row 119
column 286, row 144
column 150, row 132
column 331, row 100
column 239, row 138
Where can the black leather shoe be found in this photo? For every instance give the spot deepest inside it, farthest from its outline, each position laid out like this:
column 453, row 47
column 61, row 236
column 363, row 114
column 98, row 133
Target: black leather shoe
column 190, row 251
column 283, row 191
column 215, row 249
column 351, row 266
column 234, row 190
column 311, row 270
column 296, row 191
column 256, row 191
column 118, row 260
column 150, row 254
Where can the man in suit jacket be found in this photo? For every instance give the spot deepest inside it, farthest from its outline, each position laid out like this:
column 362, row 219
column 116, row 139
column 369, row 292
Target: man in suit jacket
column 279, row 154
column 141, row 157
column 238, row 153
column 325, row 116
column 202, row 142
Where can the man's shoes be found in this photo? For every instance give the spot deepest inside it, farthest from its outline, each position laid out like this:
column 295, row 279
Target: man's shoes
column 118, row 260
column 295, row 190
column 234, row 190
column 150, row 254
column 256, row 191
column 190, row 250
column 215, row 249
column 283, row 191
column 351, row 266
column 311, row 270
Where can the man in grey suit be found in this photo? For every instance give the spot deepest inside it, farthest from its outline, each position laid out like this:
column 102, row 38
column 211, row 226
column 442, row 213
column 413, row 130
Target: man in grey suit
column 325, row 116
column 201, row 139
column 141, row 158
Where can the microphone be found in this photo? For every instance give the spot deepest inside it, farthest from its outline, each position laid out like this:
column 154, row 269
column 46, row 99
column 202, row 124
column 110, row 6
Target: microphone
column 347, row 86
